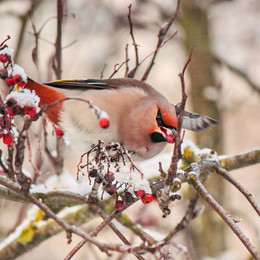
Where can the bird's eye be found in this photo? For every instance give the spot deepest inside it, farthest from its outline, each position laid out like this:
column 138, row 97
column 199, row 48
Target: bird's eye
column 159, row 118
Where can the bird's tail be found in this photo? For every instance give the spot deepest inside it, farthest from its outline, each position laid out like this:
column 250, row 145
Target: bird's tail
column 47, row 96
column 197, row 122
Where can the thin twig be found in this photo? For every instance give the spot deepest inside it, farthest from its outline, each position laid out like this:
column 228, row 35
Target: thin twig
column 127, row 59
column 117, row 67
column 177, row 154
column 131, row 73
column 161, row 35
column 107, row 221
column 190, row 214
column 240, row 73
column 221, row 171
column 58, row 45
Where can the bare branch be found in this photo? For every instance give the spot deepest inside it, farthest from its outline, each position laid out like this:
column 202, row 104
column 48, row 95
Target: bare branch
column 131, row 73
column 224, row 173
column 161, row 36
column 57, row 65
column 224, row 215
column 177, row 154
column 240, row 73
column 240, row 160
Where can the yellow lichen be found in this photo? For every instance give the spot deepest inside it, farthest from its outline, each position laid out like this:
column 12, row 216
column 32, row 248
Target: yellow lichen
column 40, row 215
column 26, row 235
column 187, row 152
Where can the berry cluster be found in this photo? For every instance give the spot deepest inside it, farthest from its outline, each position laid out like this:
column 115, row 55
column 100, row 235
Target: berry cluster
column 20, row 101
column 16, row 104
column 13, row 74
column 145, row 197
column 13, row 108
column 116, row 179
column 127, row 197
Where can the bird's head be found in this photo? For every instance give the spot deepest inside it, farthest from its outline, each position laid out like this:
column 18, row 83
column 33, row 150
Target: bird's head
column 149, row 127
column 165, row 123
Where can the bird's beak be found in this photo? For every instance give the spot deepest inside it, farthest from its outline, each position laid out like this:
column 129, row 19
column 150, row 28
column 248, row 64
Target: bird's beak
column 169, row 134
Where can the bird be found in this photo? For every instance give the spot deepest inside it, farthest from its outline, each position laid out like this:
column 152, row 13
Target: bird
column 140, row 117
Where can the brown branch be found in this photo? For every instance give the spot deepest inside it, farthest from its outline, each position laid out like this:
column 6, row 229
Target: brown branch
column 24, row 20
column 157, row 49
column 57, row 65
column 127, row 59
column 240, row 73
column 117, row 67
column 223, row 214
column 135, row 228
column 177, row 154
column 221, row 171
column 189, row 215
column 131, row 73
column 107, row 221
column 161, row 36
column 105, row 247
column 240, row 160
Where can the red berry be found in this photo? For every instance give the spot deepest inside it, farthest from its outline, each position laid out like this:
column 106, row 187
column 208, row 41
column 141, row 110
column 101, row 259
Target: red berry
column 8, row 139
column 104, row 122
column 10, row 112
column 119, row 205
column 27, row 110
column 17, row 78
column 139, row 193
column 111, row 189
column 147, row 198
column 59, row 132
column 9, row 81
column 4, row 58
column 14, row 110
column 21, row 83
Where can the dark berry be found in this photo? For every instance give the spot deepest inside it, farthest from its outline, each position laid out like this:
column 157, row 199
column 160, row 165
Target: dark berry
column 109, row 177
column 93, row 173
column 127, row 197
column 119, row 205
column 111, row 189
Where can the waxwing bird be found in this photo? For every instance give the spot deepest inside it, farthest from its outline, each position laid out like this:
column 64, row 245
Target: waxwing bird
column 140, row 117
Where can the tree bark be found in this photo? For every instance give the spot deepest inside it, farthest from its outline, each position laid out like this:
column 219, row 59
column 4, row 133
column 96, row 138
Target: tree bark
column 194, row 21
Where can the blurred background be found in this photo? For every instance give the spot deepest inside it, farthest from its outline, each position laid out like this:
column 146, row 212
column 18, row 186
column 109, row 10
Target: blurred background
column 222, row 81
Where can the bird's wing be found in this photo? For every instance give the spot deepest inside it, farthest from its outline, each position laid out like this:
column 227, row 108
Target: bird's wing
column 197, row 122
column 78, row 84
column 104, row 84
